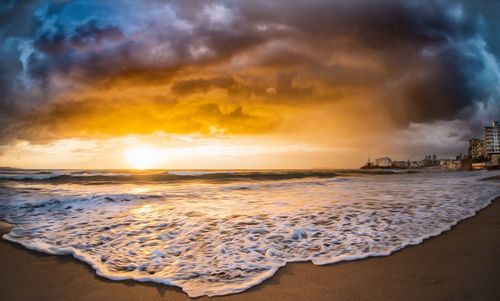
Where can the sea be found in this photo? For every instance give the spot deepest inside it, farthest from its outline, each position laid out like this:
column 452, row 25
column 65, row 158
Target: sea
column 213, row 232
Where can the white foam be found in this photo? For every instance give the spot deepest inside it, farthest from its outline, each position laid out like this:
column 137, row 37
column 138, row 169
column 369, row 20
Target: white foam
column 216, row 239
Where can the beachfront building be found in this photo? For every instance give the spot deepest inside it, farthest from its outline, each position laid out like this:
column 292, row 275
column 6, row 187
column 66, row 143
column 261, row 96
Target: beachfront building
column 478, row 166
column 401, row 164
column 429, row 160
column 416, row 164
column 444, row 162
column 383, row 162
column 492, row 142
column 476, row 149
column 455, row 164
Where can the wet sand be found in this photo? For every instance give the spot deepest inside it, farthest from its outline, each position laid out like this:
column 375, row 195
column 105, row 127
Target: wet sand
column 461, row 264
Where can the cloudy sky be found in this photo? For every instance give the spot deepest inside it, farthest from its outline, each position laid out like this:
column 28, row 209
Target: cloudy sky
column 244, row 84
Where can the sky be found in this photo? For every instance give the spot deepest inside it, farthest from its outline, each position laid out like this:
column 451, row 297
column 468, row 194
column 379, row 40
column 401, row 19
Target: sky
column 243, row 84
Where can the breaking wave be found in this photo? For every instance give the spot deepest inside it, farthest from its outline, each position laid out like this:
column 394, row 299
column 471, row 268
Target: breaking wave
column 68, row 176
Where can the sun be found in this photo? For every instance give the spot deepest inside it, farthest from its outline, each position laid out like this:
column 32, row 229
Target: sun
column 142, row 157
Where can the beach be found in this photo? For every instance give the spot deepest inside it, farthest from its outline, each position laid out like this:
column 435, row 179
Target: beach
column 460, row 264
column 249, row 150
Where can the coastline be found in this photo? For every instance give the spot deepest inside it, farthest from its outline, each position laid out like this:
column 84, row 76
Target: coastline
column 459, row 264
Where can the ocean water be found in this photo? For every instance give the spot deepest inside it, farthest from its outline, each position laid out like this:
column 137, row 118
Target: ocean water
column 216, row 233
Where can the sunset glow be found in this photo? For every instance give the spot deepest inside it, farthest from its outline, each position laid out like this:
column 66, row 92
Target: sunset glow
column 143, row 157
column 328, row 75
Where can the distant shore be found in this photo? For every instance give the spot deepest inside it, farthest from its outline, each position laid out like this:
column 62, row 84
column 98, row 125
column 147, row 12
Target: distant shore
column 461, row 264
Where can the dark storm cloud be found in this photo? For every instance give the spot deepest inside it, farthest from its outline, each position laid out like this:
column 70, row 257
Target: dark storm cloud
column 438, row 47
column 425, row 61
column 85, row 36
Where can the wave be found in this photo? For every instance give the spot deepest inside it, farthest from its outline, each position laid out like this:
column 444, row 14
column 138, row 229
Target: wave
column 95, row 177
column 163, row 176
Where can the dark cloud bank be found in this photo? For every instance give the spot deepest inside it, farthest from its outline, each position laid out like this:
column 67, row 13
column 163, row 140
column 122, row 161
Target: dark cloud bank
column 421, row 61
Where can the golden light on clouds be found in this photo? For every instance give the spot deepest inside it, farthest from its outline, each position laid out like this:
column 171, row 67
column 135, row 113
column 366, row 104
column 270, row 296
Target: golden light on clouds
column 303, row 81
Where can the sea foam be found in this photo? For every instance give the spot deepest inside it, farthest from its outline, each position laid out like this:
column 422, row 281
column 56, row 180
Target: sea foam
column 222, row 238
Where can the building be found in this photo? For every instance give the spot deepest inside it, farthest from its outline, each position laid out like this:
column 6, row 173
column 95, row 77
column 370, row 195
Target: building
column 416, row 164
column 492, row 143
column 455, row 164
column 429, row 160
column 383, row 162
column 476, row 149
column 492, row 138
column 444, row 162
column 401, row 164
column 480, row 165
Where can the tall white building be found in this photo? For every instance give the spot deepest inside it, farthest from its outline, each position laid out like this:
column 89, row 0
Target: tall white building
column 492, row 138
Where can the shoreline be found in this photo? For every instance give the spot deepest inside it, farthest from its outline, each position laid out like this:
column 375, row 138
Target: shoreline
column 424, row 269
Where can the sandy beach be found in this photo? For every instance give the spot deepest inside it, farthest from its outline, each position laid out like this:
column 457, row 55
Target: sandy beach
column 461, row 264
